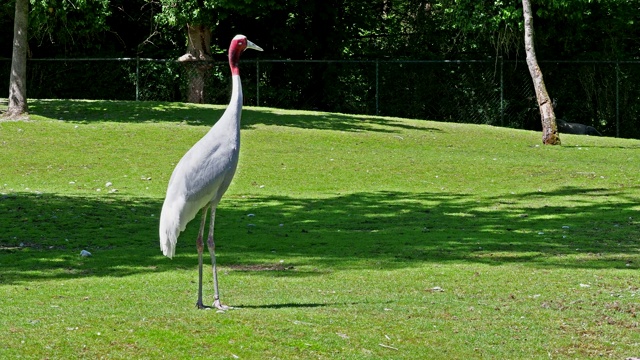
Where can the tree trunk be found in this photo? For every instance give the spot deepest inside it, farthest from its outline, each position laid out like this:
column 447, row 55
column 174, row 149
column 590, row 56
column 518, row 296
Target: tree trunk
column 18, row 77
column 199, row 41
column 550, row 134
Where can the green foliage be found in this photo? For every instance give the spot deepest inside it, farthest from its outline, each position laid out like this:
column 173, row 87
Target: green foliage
column 76, row 79
column 343, row 28
column 7, row 13
column 179, row 13
column 371, row 237
column 68, row 21
column 210, row 12
column 606, row 21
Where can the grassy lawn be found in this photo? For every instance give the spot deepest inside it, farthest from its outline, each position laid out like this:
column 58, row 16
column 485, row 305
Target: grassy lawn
column 341, row 237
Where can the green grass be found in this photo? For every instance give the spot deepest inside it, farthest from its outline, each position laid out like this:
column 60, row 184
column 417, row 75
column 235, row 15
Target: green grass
column 369, row 237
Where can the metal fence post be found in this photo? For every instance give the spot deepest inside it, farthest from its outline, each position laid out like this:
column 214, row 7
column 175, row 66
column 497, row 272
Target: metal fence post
column 501, row 91
column 377, row 92
column 257, row 82
column 617, row 98
column 137, row 77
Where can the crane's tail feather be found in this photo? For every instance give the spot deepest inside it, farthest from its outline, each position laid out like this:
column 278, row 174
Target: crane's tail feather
column 169, row 230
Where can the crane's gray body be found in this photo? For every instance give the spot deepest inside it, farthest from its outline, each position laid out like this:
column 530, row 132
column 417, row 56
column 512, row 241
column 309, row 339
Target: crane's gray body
column 203, row 174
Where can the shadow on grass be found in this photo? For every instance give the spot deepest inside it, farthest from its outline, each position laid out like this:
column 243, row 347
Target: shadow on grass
column 139, row 112
column 285, row 306
column 43, row 234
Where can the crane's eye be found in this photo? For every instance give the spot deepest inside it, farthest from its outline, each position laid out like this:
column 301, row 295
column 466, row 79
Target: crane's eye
column 240, row 43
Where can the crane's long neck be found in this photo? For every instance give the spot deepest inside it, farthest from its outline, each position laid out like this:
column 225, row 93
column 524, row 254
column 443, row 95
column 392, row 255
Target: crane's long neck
column 229, row 124
column 235, row 104
column 234, row 111
column 236, row 94
column 236, row 87
column 234, row 59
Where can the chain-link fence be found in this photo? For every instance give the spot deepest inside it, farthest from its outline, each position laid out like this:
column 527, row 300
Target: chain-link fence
column 602, row 94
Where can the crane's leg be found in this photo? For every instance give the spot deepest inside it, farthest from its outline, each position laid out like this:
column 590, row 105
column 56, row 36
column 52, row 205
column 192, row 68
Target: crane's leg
column 200, row 246
column 212, row 251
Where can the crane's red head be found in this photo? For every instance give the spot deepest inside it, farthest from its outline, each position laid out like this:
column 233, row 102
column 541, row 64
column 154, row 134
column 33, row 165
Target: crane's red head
column 238, row 45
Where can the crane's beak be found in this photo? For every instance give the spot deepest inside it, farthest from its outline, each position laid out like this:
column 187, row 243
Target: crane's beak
column 253, row 46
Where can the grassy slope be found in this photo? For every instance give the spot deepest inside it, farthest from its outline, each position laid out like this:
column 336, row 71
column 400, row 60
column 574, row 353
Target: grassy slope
column 355, row 220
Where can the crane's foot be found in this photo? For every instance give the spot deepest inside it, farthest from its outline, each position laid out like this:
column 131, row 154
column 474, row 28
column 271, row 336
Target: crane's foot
column 202, row 306
column 218, row 305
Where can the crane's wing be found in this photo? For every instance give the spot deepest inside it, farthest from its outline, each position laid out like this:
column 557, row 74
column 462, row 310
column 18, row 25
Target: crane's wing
column 200, row 178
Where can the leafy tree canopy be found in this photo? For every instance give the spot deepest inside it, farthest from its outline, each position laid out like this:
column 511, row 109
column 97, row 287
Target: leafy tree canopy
column 593, row 29
column 68, row 23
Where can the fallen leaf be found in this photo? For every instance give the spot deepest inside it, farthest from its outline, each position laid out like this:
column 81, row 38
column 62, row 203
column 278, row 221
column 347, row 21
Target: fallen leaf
column 388, row 347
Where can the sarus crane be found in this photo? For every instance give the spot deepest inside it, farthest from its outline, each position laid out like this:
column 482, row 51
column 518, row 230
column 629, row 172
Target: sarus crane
column 203, row 175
